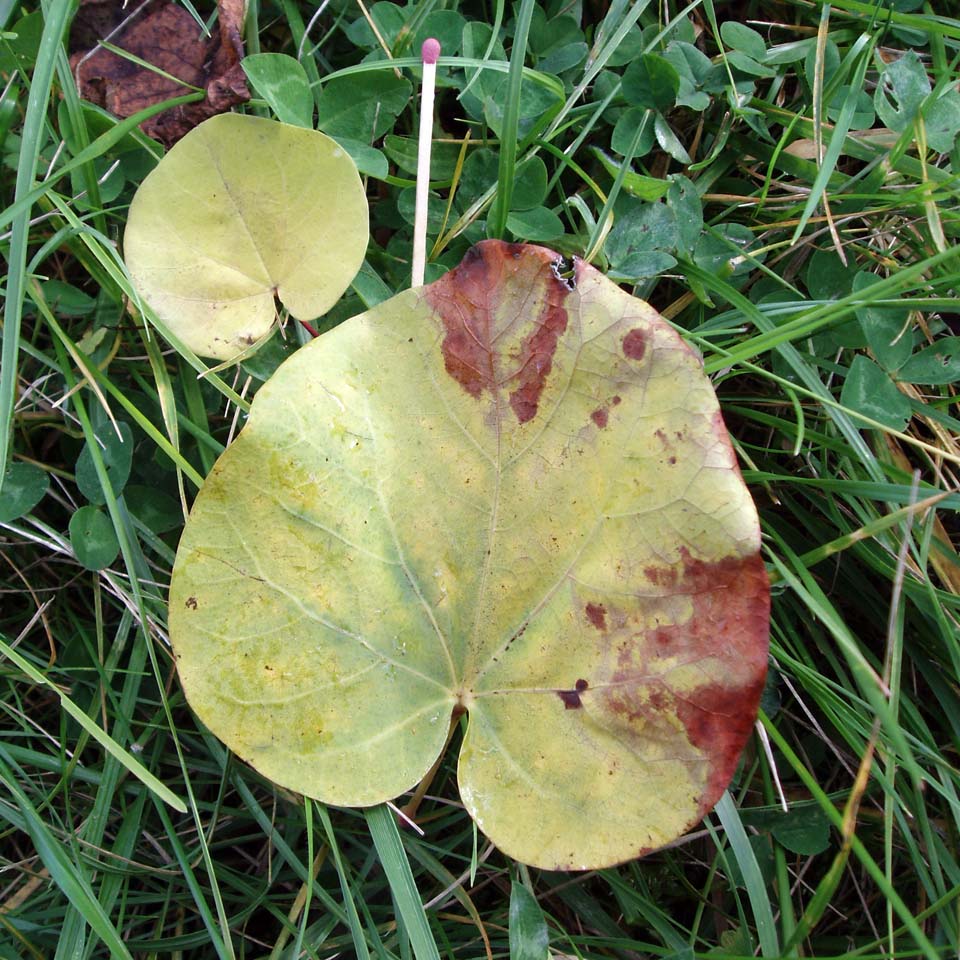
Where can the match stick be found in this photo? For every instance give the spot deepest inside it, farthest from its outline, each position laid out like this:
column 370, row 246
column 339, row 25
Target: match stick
column 430, row 52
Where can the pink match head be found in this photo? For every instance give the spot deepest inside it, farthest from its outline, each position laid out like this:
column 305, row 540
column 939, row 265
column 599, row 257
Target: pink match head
column 430, row 51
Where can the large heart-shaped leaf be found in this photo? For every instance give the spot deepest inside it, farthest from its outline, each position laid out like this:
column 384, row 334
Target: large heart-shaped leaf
column 507, row 493
column 240, row 212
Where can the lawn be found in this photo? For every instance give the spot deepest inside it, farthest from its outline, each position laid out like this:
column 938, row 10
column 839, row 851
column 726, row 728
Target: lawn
column 779, row 180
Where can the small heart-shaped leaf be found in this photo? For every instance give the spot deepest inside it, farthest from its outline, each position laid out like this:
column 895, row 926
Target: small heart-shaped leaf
column 243, row 211
column 93, row 538
column 283, row 83
column 116, row 453
column 24, row 486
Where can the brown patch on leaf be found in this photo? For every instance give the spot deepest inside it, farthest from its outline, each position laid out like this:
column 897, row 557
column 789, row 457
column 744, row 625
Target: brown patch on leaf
column 718, row 721
column 600, row 417
column 484, row 347
column 168, row 37
column 661, row 576
column 536, row 356
column 635, row 344
column 597, row 615
column 728, row 626
column 460, row 300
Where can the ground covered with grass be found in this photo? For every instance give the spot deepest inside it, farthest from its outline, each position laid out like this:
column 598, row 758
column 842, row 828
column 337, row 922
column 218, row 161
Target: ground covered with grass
column 780, row 180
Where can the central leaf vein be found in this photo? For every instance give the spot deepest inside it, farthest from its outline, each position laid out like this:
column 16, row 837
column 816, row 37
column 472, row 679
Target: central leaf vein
column 241, row 218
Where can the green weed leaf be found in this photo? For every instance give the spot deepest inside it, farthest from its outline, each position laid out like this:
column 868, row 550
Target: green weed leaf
column 935, row 365
column 117, row 455
column 738, row 36
column 803, row 830
column 902, row 88
column 641, row 238
column 538, row 224
column 389, row 19
column 827, row 276
column 719, row 250
column 884, row 328
column 65, row 300
column 624, row 130
column 93, row 538
column 669, row 142
column 362, row 107
column 683, row 199
column 530, row 187
column 403, row 152
column 651, row 82
column 529, row 939
column 155, row 509
column 634, row 184
column 869, row 391
column 24, row 486
column 942, row 122
column 689, row 61
column 283, row 83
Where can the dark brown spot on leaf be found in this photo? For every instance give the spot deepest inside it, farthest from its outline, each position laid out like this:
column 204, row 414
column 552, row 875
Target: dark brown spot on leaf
column 599, row 417
column 635, row 344
column 597, row 615
column 571, row 698
column 191, row 603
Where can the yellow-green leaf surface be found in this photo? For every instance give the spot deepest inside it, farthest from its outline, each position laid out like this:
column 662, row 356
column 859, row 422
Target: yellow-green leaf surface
column 507, row 493
column 240, row 212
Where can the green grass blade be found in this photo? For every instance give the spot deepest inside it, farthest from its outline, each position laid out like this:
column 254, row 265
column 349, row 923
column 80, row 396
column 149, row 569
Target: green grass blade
column 106, row 141
column 393, row 859
column 55, row 23
column 356, row 928
column 746, row 859
column 832, row 154
column 870, row 865
column 222, row 948
column 506, row 173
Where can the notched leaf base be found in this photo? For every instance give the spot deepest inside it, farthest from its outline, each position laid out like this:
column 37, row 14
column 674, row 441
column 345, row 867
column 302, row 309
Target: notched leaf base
column 511, row 492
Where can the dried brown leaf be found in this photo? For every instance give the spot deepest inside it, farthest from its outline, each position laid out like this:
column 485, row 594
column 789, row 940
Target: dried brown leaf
column 168, row 37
